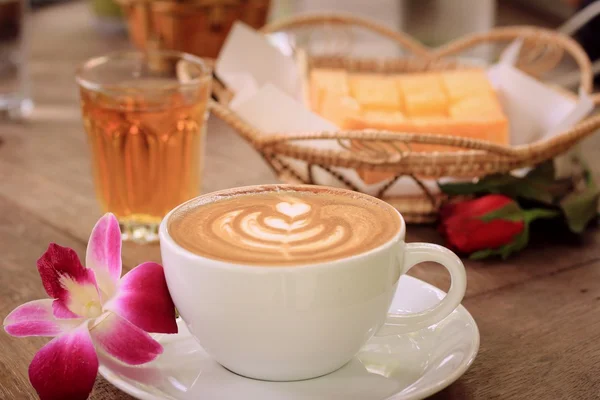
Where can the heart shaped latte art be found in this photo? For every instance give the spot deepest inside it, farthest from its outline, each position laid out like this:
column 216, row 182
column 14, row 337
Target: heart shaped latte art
column 278, row 226
column 292, row 210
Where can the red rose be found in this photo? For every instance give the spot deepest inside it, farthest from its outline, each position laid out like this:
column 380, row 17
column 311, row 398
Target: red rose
column 488, row 222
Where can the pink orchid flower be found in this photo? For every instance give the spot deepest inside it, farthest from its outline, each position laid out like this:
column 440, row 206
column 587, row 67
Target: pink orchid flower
column 92, row 310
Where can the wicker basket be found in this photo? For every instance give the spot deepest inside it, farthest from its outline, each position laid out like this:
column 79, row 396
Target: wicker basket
column 193, row 26
column 542, row 51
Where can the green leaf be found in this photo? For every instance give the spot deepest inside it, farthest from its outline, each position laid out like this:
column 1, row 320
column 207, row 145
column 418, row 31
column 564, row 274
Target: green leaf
column 539, row 185
column 510, row 212
column 509, row 185
column 531, row 191
column 519, row 242
column 517, row 245
column 580, row 208
column 589, row 179
column 543, row 172
column 489, row 184
column 481, row 254
column 536, row 213
column 522, row 239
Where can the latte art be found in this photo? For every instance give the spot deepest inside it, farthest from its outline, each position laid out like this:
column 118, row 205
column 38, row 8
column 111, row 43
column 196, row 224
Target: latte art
column 286, row 227
column 283, row 227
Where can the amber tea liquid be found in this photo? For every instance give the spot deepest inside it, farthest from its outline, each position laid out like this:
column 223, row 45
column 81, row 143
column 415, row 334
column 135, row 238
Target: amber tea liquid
column 147, row 153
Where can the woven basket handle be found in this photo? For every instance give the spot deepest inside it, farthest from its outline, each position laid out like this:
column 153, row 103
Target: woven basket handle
column 510, row 34
column 299, row 21
column 574, row 24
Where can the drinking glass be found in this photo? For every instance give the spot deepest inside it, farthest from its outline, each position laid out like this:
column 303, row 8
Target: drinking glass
column 14, row 84
column 145, row 114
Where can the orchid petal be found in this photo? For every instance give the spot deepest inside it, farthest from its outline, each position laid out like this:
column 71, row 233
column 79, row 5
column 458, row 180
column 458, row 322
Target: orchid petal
column 144, row 300
column 60, row 310
column 62, row 263
column 125, row 341
column 35, row 318
column 66, row 367
column 104, row 253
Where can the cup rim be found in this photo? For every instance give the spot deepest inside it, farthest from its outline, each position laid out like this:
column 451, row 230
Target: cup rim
column 166, row 239
column 93, row 62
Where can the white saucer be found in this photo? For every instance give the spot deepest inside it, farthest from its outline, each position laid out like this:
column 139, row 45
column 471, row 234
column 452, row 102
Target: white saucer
column 410, row 366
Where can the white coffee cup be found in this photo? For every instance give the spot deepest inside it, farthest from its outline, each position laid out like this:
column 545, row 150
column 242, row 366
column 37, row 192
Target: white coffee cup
column 299, row 322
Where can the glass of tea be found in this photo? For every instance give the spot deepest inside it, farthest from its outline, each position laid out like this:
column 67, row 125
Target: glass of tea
column 145, row 114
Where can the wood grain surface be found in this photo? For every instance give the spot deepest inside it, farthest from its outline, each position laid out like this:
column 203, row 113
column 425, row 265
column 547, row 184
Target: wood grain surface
column 538, row 313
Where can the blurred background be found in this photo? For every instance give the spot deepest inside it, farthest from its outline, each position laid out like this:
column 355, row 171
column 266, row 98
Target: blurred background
column 432, row 21
column 27, row 63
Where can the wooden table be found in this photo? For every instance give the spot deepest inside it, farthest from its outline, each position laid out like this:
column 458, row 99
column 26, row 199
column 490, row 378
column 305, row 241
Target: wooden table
column 538, row 313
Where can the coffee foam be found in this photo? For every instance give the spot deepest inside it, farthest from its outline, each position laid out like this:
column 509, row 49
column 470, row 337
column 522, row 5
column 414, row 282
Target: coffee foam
column 281, row 225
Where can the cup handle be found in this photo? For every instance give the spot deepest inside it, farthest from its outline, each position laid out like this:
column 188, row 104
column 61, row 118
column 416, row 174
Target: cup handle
column 415, row 253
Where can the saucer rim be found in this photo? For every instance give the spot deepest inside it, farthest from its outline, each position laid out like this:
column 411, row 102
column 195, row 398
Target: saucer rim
column 134, row 391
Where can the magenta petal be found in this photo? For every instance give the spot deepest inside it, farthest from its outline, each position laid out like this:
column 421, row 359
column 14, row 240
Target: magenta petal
column 60, row 310
column 144, row 300
column 36, row 319
column 124, row 341
column 59, row 263
column 104, row 253
column 66, row 367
